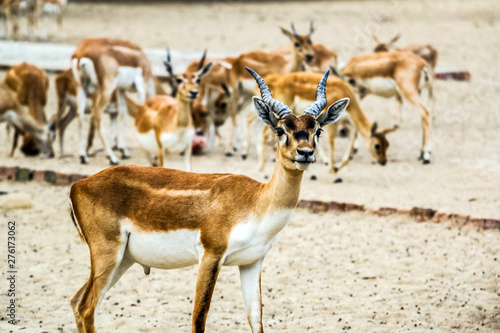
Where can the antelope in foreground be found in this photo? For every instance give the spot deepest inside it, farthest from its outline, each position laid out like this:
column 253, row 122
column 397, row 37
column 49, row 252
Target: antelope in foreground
column 102, row 66
column 395, row 73
column 31, row 85
column 13, row 113
column 301, row 86
column 425, row 51
column 139, row 215
column 164, row 124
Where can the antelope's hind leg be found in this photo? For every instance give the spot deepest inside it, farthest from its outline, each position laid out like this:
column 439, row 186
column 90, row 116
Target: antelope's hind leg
column 108, row 264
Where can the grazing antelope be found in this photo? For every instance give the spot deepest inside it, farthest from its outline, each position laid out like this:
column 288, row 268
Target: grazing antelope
column 301, row 86
column 425, row 51
column 31, row 85
column 13, row 113
column 164, row 124
column 167, row 219
column 101, row 66
column 395, row 72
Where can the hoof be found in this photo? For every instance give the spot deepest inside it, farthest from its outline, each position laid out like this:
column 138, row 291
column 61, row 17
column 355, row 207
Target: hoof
column 426, row 162
column 125, row 155
column 355, row 150
column 114, row 148
column 229, row 154
column 113, row 163
column 182, row 153
column 313, row 177
column 243, row 157
column 84, row 160
column 338, row 180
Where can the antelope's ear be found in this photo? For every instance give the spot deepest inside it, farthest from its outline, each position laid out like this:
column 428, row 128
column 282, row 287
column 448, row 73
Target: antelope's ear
column 333, row 113
column 225, row 89
column 204, row 70
column 265, row 113
column 395, row 39
column 287, row 33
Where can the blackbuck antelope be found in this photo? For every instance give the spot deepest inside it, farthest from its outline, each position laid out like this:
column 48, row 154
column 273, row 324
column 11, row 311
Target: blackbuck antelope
column 31, row 85
column 302, row 86
column 318, row 59
column 391, row 74
column 102, row 66
column 15, row 115
column 425, row 51
column 215, row 103
column 133, row 214
column 164, row 124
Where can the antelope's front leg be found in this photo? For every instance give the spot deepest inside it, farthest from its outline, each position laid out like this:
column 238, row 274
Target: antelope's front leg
column 250, row 276
column 230, row 138
column 207, row 277
column 122, row 123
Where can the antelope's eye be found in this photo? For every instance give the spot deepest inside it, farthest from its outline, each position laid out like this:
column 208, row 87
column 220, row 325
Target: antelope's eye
column 223, row 105
column 377, row 146
column 318, row 132
column 280, row 131
column 296, row 44
column 178, row 80
column 197, row 81
column 204, row 114
column 352, row 82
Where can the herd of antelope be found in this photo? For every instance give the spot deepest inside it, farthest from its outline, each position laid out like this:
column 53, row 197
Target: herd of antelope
column 165, row 218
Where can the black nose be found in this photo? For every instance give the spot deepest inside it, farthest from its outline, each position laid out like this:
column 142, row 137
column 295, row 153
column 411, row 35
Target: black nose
column 306, row 152
column 309, row 58
column 384, row 162
column 193, row 94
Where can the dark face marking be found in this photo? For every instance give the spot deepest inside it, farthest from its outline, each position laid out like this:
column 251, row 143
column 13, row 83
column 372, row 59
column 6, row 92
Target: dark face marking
column 301, row 135
column 289, row 123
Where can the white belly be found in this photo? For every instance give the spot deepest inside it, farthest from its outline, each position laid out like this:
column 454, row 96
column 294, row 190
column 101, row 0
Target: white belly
column 250, row 241
column 129, row 77
column 178, row 141
column 147, row 142
column 168, row 250
column 381, row 87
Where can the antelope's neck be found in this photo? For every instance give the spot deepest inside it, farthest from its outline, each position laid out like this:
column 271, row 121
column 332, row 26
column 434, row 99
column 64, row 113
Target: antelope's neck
column 359, row 118
column 184, row 118
column 283, row 190
column 297, row 64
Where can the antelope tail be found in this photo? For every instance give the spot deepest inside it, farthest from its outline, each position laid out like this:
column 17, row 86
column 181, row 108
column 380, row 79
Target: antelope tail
column 75, row 221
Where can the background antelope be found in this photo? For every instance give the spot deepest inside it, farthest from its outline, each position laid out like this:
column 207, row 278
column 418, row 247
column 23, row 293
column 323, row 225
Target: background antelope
column 395, row 72
column 101, row 66
column 14, row 114
column 425, row 51
column 31, row 85
column 164, row 124
column 138, row 215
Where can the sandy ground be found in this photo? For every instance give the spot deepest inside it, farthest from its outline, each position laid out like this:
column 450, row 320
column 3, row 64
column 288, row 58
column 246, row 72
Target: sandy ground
column 365, row 273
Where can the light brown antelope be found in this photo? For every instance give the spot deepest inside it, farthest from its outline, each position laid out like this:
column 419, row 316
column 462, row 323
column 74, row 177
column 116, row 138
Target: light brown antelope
column 31, row 85
column 401, row 72
column 425, row 51
column 301, row 86
column 322, row 58
column 164, row 124
column 101, row 66
column 66, row 91
column 15, row 115
column 133, row 214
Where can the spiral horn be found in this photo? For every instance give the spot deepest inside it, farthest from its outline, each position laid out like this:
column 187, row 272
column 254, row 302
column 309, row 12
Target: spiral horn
column 315, row 108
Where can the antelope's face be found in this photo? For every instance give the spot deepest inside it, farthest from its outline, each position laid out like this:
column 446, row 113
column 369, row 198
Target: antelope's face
column 200, row 116
column 297, row 135
column 358, row 86
column 379, row 144
column 187, row 85
column 298, row 138
column 302, row 44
